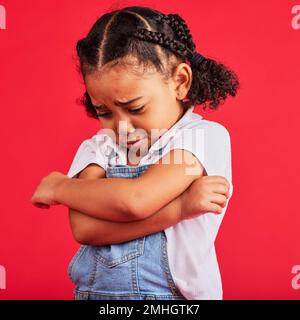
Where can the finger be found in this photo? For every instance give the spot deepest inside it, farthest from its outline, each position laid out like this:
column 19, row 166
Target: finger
column 221, row 189
column 215, row 208
column 218, row 179
column 219, row 199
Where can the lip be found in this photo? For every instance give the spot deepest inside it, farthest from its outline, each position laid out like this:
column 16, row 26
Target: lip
column 131, row 143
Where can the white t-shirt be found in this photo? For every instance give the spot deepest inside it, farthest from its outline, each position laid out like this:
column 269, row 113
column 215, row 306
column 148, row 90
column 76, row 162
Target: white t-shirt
column 190, row 243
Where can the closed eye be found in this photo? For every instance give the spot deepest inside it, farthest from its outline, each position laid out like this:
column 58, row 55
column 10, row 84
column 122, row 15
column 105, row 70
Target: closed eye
column 134, row 111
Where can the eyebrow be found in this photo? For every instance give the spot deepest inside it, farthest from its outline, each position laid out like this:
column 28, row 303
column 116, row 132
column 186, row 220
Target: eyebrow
column 119, row 103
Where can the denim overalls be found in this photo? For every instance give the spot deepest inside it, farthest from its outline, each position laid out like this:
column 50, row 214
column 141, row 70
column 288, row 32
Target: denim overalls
column 132, row 270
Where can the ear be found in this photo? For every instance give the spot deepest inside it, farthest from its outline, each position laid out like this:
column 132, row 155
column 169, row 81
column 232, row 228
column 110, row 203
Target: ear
column 182, row 80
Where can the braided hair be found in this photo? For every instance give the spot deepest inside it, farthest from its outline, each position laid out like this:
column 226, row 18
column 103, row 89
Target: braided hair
column 157, row 40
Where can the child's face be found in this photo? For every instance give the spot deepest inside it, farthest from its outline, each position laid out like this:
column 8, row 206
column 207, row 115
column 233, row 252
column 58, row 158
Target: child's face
column 161, row 108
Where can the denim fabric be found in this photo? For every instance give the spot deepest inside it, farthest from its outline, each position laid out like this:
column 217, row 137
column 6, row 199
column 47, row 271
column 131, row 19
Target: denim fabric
column 132, row 270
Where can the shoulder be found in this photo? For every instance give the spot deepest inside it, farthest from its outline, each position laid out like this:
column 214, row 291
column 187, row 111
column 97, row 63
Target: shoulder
column 210, row 128
column 201, row 133
column 100, row 143
column 208, row 140
column 91, row 150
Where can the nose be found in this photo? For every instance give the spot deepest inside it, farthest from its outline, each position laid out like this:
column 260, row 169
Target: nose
column 124, row 126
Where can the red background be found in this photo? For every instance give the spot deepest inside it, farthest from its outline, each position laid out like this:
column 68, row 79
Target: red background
column 42, row 127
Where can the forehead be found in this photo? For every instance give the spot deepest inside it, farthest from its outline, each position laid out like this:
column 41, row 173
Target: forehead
column 121, row 83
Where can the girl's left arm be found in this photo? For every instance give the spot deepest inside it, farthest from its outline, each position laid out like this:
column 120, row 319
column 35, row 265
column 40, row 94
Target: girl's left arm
column 121, row 199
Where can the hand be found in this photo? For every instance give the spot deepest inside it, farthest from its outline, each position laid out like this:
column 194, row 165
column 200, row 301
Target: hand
column 44, row 195
column 205, row 194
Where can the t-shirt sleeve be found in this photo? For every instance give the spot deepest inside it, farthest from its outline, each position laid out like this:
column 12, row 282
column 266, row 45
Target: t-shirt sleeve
column 209, row 142
column 86, row 154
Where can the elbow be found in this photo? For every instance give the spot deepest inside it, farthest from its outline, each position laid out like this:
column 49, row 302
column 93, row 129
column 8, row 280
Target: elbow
column 86, row 239
column 138, row 209
column 79, row 229
column 80, row 236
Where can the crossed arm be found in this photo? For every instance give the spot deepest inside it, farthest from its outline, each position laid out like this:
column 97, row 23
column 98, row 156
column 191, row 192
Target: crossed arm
column 119, row 199
column 91, row 230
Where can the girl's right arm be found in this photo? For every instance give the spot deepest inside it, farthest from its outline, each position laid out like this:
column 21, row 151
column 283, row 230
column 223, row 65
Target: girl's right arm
column 95, row 231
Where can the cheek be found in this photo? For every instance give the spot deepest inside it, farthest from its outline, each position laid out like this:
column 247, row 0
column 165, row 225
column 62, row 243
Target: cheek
column 148, row 122
column 155, row 118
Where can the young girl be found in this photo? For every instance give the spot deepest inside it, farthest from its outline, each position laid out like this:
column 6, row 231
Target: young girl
column 147, row 231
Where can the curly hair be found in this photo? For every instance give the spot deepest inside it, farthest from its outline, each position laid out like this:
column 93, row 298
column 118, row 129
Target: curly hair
column 153, row 38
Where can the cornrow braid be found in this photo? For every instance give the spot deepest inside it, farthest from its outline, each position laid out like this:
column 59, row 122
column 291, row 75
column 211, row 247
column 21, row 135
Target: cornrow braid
column 180, row 29
column 160, row 38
